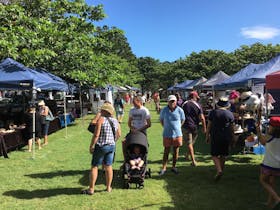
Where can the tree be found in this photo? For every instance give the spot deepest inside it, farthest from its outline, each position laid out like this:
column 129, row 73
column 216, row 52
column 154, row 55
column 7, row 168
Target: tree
column 60, row 36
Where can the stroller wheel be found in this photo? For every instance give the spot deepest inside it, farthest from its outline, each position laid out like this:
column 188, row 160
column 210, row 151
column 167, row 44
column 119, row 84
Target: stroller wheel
column 150, row 173
column 126, row 185
column 141, row 186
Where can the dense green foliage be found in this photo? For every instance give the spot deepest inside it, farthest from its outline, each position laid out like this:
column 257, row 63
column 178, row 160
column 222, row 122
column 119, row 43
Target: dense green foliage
column 62, row 37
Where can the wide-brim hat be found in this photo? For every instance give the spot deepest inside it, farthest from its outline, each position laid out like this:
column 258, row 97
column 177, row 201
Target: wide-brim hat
column 248, row 116
column 223, row 102
column 238, row 129
column 245, row 95
column 108, row 108
column 41, row 103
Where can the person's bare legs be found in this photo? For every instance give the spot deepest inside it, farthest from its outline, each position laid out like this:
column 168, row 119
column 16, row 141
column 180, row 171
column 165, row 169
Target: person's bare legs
column 165, row 158
column 217, row 163
column 39, row 143
column 109, row 177
column 266, row 181
column 92, row 178
column 175, row 156
column 191, row 153
column 45, row 140
column 30, row 145
column 222, row 162
column 124, row 149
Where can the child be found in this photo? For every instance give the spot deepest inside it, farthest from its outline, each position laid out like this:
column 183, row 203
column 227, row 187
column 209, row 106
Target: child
column 270, row 167
column 136, row 161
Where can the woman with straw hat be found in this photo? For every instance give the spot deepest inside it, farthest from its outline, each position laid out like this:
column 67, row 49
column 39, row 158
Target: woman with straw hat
column 219, row 134
column 102, row 147
column 44, row 112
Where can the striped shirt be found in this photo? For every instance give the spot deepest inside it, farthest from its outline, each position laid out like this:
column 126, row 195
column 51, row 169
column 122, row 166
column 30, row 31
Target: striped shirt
column 106, row 136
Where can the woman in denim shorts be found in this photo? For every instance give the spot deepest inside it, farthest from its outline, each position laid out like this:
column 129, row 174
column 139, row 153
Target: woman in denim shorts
column 102, row 147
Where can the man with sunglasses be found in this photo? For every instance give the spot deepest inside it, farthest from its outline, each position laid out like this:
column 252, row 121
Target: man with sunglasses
column 172, row 118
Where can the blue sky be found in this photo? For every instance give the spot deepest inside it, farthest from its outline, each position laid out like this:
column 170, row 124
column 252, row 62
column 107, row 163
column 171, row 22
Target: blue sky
column 171, row 29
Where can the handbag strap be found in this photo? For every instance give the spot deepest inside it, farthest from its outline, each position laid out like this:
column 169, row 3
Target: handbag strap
column 50, row 113
column 112, row 126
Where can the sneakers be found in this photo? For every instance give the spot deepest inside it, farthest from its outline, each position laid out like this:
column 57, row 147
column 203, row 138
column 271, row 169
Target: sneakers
column 161, row 172
column 175, row 170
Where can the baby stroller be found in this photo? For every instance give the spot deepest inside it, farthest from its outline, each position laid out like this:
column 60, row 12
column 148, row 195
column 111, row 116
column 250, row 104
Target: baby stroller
column 130, row 174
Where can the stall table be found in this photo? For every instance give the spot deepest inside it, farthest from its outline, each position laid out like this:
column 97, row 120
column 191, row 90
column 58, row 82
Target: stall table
column 54, row 125
column 69, row 119
column 11, row 141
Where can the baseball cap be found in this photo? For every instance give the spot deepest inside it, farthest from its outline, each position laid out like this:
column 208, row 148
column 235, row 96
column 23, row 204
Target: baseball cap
column 194, row 94
column 171, row 98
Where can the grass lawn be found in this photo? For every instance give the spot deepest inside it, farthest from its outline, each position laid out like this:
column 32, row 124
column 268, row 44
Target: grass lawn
column 55, row 178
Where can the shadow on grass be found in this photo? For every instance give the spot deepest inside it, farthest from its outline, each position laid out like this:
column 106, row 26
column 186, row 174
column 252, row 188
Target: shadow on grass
column 84, row 180
column 50, row 175
column 239, row 188
column 25, row 194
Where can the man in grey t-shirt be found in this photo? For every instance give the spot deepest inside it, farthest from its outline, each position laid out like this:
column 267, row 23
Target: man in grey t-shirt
column 139, row 119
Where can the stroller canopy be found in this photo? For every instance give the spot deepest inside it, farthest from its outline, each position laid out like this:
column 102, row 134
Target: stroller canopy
column 137, row 138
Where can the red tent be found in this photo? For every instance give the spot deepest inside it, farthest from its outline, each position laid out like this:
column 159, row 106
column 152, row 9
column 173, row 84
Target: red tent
column 273, row 87
column 273, row 80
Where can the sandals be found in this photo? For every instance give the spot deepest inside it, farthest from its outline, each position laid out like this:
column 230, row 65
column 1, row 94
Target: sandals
column 87, row 192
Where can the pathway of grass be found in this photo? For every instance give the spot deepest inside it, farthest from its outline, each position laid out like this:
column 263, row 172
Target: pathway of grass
column 54, row 179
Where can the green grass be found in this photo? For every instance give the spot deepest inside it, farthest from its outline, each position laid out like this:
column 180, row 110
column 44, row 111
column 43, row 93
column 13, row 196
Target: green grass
column 57, row 174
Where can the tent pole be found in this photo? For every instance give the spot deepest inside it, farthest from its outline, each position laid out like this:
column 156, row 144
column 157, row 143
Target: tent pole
column 33, row 134
column 34, row 92
column 65, row 124
column 213, row 100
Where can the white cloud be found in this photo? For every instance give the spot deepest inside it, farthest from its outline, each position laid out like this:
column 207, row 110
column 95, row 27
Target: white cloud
column 260, row 32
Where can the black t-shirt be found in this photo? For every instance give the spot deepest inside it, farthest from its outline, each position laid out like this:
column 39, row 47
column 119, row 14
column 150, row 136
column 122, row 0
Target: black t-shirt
column 29, row 122
column 221, row 121
column 192, row 112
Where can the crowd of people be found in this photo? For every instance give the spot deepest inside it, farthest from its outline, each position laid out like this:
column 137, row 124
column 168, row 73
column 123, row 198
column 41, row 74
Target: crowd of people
column 180, row 120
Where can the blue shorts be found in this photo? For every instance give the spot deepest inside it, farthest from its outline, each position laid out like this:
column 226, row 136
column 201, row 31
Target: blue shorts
column 45, row 128
column 104, row 154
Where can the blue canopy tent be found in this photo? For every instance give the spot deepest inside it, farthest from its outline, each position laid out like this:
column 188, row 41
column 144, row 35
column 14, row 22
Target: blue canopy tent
column 217, row 78
column 14, row 75
column 194, row 83
column 180, row 86
column 57, row 82
column 250, row 75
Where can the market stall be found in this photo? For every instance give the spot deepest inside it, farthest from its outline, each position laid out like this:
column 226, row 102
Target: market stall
column 273, row 93
column 23, row 83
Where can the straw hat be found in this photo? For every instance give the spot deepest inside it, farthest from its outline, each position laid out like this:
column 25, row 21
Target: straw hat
column 247, row 116
column 41, row 103
column 108, row 108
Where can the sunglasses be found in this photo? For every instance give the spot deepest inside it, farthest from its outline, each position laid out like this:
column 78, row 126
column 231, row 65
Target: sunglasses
column 172, row 101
